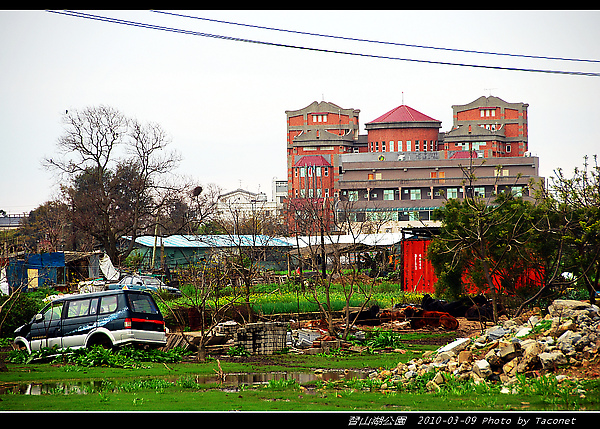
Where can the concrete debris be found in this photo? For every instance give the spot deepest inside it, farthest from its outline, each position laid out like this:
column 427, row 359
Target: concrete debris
column 568, row 334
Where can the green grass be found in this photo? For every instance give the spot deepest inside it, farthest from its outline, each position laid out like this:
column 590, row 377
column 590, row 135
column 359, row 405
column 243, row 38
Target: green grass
column 354, row 395
column 160, row 383
column 159, row 386
column 288, row 299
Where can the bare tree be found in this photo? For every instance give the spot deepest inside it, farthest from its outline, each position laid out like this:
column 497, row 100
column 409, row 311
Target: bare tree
column 248, row 229
column 204, row 297
column 114, row 169
column 316, row 223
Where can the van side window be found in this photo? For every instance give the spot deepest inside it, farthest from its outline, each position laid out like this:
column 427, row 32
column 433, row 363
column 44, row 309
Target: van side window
column 108, row 304
column 78, row 308
column 82, row 307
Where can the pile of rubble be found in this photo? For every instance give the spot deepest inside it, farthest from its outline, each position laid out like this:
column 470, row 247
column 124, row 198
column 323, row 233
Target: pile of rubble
column 568, row 334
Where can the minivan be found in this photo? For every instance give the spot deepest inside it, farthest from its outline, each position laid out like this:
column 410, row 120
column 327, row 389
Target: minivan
column 147, row 283
column 110, row 318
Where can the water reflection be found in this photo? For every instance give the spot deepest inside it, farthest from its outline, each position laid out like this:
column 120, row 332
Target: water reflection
column 65, row 388
column 232, row 381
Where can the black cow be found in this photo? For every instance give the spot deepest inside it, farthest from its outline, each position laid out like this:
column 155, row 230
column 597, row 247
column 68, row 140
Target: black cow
column 458, row 308
column 366, row 317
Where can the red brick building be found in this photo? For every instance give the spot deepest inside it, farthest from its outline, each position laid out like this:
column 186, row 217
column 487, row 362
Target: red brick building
column 489, row 126
column 399, row 168
column 316, row 136
column 403, row 129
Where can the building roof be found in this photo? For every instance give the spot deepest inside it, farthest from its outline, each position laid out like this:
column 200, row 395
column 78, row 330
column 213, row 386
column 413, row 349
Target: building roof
column 238, row 191
column 211, row 241
column 312, row 160
column 403, row 113
column 11, row 221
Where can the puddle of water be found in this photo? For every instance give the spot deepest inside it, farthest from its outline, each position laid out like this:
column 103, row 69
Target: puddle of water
column 231, row 382
column 80, row 387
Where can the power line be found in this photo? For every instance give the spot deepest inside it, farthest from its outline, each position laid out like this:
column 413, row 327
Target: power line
column 237, row 39
column 355, row 39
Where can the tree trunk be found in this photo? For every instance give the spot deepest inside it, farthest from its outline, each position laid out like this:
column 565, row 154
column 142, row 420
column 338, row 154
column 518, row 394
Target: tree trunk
column 3, row 367
column 201, row 355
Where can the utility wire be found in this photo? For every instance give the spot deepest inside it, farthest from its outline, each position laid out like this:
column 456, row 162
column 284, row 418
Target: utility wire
column 354, row 39
column 237, row 39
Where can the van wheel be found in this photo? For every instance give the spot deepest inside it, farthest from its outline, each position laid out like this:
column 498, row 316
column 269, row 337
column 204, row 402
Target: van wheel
column 102, row 341
column 19, row 346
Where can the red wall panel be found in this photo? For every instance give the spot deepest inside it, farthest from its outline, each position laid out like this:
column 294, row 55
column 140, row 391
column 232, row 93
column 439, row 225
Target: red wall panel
column 418, row 271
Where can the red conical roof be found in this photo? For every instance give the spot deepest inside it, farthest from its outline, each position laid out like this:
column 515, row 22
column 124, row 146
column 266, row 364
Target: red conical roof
column 403, row 113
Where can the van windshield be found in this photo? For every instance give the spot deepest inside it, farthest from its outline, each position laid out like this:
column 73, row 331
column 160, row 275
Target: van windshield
column 142, row 304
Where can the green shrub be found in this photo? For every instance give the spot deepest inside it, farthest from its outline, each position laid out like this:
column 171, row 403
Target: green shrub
column 380, row 339
column 18, row 312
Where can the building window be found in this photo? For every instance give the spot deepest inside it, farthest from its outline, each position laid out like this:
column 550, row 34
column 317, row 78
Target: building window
column 388, row 194
column 326, row 171
column 352, row 195
column 319, row 118
column 517, row 191
column 408, row 145
column 415, row 194
column 413, row 216
column 479, row 192
column 318, row 171
column 302, row 172
column 452, row 193
column 383, row 146
column 417, row 145
column 391, row 145
column 370, row 176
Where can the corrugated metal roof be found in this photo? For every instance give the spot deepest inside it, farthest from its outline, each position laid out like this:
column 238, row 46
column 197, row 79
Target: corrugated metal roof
column 403, row 113
column 383, row 239
column 210, row 241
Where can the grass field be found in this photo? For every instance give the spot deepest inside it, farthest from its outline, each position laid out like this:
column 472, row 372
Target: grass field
column 175, row 387
column 95, row 383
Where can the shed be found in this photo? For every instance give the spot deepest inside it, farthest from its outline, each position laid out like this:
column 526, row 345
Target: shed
column 178, row 250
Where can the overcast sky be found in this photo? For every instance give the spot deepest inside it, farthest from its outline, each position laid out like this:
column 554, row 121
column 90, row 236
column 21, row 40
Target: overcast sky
column 223, row 101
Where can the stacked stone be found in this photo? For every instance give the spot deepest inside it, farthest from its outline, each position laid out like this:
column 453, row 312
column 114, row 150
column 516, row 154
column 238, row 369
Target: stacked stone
column 568, row 334
column 262, row 338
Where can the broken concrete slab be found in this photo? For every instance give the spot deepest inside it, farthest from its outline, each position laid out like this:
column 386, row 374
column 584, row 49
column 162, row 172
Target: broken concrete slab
column 465, row 356
column 482, row 368
column 509, row 351
column 496, row 332
column 551, row 359
column 455, row 346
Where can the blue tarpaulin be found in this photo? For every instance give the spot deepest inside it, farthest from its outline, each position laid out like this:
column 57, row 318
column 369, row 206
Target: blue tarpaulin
column 35, row 270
